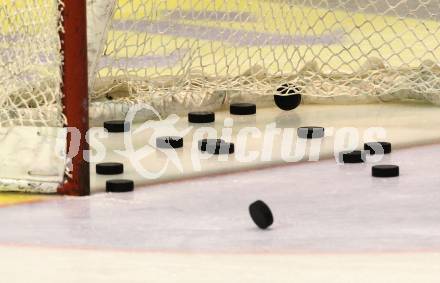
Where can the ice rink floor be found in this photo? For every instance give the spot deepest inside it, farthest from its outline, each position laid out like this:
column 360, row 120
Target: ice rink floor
column 332, row 221
column 266, row 139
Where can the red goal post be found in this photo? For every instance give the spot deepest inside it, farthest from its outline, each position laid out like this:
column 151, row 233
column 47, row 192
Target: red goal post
column 75, row 91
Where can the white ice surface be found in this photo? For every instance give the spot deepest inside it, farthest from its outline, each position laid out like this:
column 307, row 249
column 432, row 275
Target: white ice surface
column 404, row 125
column 333, row 223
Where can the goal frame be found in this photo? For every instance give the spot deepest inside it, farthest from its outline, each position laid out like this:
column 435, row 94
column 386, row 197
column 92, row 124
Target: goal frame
column 99, row 58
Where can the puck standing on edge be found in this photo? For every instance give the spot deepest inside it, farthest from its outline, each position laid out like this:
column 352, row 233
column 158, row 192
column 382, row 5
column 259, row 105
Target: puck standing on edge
column 109, row 168
column 385, row 171
column 117, row 126
column 119, row 186
column 311, row 132
column 356, row 156
column 378, row 147
column 288, row 97
column 261, row 214
column 243, row 109
column 200, row 117
column 203, row 142
column 169, row 142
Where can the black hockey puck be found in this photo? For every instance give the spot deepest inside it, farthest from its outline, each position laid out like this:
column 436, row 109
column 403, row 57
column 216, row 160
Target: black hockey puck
column 220, row 148
column 119, row 186
column 261, row 214
column 311, row 132
column 357, row 156
column 109, row 168
column 117, row 126
column 201, row 117
column 288, row 97
column 202, row 143
column 243, row 109
column 378, row 147
column 385, row 171
column 169, row 142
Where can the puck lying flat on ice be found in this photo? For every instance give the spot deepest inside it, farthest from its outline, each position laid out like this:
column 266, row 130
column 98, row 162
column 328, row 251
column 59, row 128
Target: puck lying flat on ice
column 169, row 142
column 117, row 126
column 243, row 109
column 288, row 97
column 357, row 156
column 378, row 147
column 385, row 171
column 261, row 214
column 201, row 117
column 109, row 168
column 311, row 132
column 119, row 186
column 202, row 143
column 220, row 148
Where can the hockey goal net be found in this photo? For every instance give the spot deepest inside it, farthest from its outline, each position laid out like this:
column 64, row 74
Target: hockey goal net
column 201, row 54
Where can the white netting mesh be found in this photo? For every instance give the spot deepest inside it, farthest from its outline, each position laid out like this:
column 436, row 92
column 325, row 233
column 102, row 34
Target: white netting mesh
column 191, row 53
column 179, row 55
column 30, row 61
